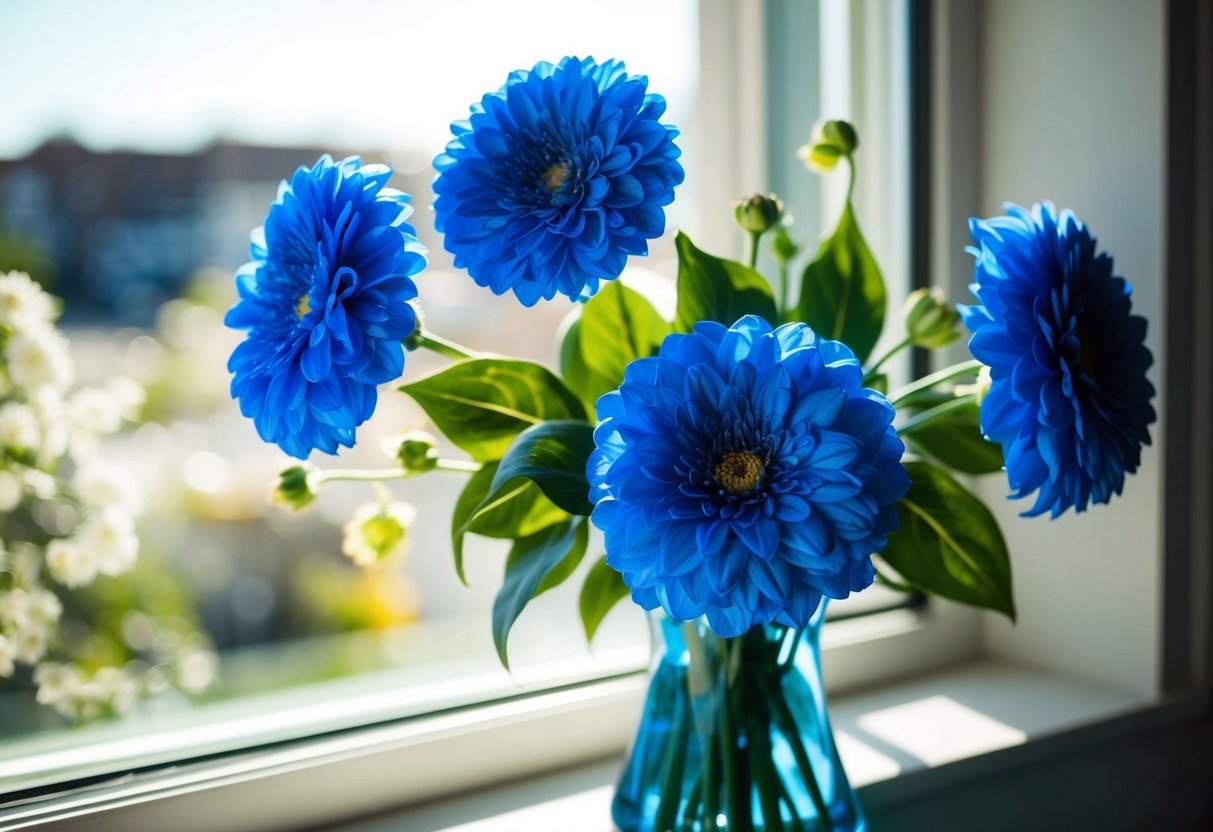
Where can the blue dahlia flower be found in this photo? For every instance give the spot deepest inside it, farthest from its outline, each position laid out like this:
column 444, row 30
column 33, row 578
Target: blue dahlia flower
column 743, row 473
column 555, row 179
column 1069, row 400
column 324, row 301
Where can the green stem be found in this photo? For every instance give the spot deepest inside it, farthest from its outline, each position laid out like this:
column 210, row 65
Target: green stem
column 851, row 183
column 675, row 765
column 728, row 740
column 711, row 783
column 898, row 347
column 762, row 765
column 694, row 801
column 784, row 312
column 463, row 466
column 927, row 382
column 929, row 415
column 881, row 577
column 788, row 725
column 442, row 346
column 752, row 249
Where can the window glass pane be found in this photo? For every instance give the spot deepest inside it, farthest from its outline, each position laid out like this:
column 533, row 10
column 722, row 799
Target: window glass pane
column 140, row 145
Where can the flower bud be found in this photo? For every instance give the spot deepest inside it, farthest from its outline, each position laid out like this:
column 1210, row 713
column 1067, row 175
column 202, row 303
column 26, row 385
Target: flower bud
column 930, row 320
column 413, row 340
column 830, row 140
column 296, row 488
column 758, row 214
column 417, row 452
column 378, row 531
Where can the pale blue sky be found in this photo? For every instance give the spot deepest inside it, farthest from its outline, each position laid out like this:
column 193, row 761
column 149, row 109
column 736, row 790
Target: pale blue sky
column 169, row 75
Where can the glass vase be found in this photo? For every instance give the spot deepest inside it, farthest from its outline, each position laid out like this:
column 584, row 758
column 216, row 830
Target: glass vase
column 735, row 736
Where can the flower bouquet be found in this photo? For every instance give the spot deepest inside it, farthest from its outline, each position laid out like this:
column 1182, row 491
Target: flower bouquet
column 745, row 461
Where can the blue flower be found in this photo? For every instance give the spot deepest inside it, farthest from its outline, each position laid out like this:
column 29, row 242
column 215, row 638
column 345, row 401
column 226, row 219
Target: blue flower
column 555, row 179
column 1069, row 400
column 324, row 301
column 743, row 473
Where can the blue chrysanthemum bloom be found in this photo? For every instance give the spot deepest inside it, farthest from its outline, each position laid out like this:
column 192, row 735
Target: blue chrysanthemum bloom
column 743, row 473
column 324, row 301
column 1069, row 400
column 555, row 179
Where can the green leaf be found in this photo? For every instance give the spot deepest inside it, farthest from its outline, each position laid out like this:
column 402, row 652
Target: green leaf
column 587, row 384
column 552, row 455
column 520, row 511
column 713, row 289
column 532, row 560
column 602, row 590
column 483, row 403
column 954, row 438
column 618, row 325
column 842, row 297
column 949, row 543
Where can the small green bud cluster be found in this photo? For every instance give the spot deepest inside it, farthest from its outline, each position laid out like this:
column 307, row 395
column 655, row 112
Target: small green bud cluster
column 417, row 452
column 831, row 140
column 758, row 214
column 930, row 320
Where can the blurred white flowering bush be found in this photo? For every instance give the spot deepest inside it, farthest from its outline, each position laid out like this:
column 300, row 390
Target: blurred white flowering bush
column 66, row 518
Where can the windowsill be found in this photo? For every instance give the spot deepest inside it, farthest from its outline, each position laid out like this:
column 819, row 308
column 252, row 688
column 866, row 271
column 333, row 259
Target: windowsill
column 959, row 713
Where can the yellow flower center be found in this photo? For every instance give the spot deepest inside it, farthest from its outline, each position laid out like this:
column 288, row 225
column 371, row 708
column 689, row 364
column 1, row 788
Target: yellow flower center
column 555, row 176
column 303, row 307
column 738, row 471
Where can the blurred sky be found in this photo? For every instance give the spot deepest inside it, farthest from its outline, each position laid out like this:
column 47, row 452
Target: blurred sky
column 170, row 75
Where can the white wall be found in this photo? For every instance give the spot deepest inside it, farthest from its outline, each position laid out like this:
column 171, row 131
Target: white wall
column 1073, row 111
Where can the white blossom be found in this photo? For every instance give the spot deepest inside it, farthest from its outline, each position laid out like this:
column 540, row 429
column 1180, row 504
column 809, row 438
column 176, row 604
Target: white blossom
column 14, row 606
column 40, row 483
column 72, row 564
column 31, row 644
column 95, row 409
column 19, row 426
column 10, row 491
column 100, row 485
column 116, row 688
column 8, row 652
column 42, row 608
column 129, row 394
column 110, row 535
column 23, row 304
column 56, row 682
column 38, row 358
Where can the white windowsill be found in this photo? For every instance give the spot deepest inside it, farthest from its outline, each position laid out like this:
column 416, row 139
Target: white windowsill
column 959, row 713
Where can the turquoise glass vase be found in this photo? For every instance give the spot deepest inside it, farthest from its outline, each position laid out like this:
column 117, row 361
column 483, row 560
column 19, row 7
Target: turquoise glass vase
column 735, row 737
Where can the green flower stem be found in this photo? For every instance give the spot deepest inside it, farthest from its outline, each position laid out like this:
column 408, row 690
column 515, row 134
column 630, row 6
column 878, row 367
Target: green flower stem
column 728, row 743
column 711, row 782
column 898, row 347
column 762, row 766
column 881, row 577
column 752, row 249
column 442, row 346
column 462, row 466
column 931, row 414
column 787, row 724
column 674, row 766
column 783, row 290
column 851, row 183
column 694, row 801
column 964, row 368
